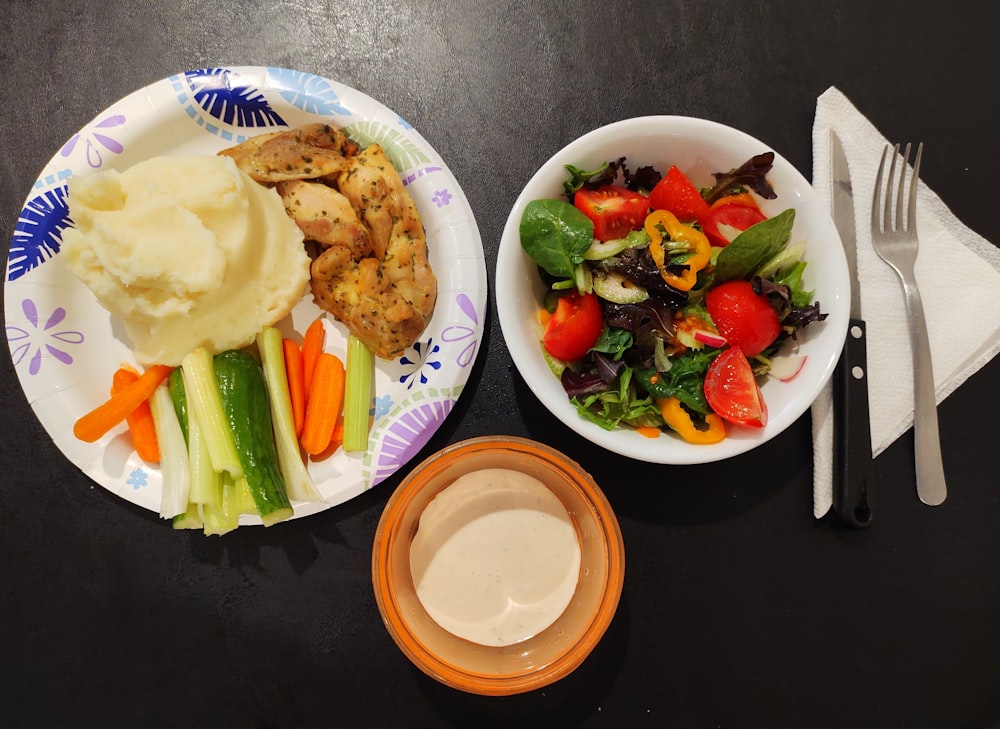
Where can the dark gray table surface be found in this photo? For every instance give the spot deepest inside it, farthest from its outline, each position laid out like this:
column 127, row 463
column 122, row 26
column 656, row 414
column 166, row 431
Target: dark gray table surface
column 739, row 609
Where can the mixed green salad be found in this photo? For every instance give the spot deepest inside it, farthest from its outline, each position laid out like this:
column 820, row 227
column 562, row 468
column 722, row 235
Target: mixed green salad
column 666, row 303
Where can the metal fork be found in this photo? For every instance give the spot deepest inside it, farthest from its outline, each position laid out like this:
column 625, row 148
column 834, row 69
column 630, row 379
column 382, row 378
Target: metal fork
column 895, row 240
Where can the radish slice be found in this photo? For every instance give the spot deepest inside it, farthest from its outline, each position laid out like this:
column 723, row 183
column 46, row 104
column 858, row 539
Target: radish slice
column 710, row 338
column 785, row 365
column 729, row 232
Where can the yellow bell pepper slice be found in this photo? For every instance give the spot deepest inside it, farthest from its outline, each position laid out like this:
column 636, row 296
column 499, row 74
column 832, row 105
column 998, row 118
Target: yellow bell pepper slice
column 739, row 198
column 659, row 222
column 680, row 420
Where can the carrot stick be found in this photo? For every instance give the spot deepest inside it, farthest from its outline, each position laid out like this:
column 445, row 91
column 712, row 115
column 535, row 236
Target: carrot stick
column 337, row 439
column 312, row 344
column 140, row 420
column 104, row 417
column 323, row 403
column 296, row 385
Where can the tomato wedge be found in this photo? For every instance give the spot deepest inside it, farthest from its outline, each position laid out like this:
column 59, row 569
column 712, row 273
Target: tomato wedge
column 678, row 195
column 574, row 326
column 745, row 318
column 614, row 210
column 723, row 223
column 732, row 391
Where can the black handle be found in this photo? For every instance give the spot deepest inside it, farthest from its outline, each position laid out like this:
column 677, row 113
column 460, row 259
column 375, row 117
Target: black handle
column 852, row 464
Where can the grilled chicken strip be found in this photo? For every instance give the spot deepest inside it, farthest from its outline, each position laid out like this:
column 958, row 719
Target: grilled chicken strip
column 325, row 215
column 384, row 298
column 308, row 152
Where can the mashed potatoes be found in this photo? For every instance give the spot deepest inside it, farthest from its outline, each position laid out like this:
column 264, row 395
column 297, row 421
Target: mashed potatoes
column 187, row 251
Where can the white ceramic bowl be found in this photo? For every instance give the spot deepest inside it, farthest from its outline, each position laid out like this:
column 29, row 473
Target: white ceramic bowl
column 699, row 148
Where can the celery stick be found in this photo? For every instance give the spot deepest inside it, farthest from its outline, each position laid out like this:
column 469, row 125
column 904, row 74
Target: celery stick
column 190, row 519
column 216, row 499
column 244, row 499
column 220, row 517
column 357, row 394
column 205, row 404
column 204, row 478
column 298, row 483
column 175, row 384
column 232, row 499
column 173, row 454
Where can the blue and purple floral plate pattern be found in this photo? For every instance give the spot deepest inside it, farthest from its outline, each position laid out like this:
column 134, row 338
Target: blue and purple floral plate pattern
column 65, row 346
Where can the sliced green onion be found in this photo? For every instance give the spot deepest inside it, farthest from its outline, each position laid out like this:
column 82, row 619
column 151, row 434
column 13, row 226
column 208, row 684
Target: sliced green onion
column 357, row 394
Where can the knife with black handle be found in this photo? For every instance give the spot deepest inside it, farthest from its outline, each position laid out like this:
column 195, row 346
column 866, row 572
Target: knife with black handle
column 853, row 497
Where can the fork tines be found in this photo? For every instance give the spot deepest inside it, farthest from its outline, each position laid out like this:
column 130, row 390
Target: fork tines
column 887, row 220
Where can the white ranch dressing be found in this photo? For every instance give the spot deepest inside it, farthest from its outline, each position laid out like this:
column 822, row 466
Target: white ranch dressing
column 496, row 557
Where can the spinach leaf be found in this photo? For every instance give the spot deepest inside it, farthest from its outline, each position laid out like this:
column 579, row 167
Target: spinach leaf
column 556, row 235
column 754, row 246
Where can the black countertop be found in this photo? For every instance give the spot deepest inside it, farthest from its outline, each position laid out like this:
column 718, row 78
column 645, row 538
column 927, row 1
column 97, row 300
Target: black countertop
column 739, row 609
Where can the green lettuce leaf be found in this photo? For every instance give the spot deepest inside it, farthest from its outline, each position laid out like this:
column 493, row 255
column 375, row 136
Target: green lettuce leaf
column 754, row 247
column 685, row 380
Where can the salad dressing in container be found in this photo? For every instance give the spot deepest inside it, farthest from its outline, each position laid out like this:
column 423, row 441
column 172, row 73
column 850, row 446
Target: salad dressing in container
column 495, row 559
column 560, row 581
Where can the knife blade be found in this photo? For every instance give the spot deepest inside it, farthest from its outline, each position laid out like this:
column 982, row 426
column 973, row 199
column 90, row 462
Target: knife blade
column 853, row 498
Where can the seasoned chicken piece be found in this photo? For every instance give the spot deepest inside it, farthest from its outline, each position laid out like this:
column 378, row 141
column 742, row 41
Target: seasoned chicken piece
column 385, row 298
column 309, row 152
column 325, row 216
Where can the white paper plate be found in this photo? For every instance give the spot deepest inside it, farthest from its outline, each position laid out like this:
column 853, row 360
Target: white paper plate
column 65, row 346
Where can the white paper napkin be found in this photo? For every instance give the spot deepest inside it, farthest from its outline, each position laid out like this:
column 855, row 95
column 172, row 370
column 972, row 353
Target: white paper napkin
column 958, row 274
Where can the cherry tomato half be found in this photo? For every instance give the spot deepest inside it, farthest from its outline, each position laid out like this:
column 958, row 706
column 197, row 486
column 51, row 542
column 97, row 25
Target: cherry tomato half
column 615, row 210
column 746, row 319
column 574, row 326
column 678, row 195
column 723, row 223
column 732, row 391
